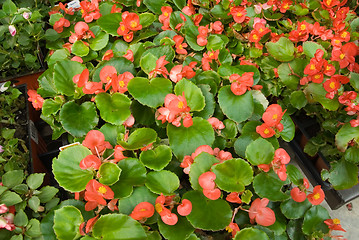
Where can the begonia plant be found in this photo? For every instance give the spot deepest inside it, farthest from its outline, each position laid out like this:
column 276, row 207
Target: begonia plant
column 176, row 108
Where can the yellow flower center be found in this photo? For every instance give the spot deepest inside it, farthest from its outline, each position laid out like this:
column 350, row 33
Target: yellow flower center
column 329, row 2
column 312, row 67
column 316, row 196
column 102, row 190
column 302, row 27
column 336, row 221
column 210, row 55
column 108, row 78
column 261, row 30
column 286, row 6
column 133, row 24
column 180, row 105
column 180, row 46
column 266, row 131
column 332, row 85
column 239, row 14
column 275, row 116
column 228, row 229
column 341, row 56
column 166, row 14
column 255, row 37
column 158, row 207
column 121, row 83
column 143, row 210
column 317, row 76
column 344, row 34
column 328, row 68
column 336, row 41
column 123, row 28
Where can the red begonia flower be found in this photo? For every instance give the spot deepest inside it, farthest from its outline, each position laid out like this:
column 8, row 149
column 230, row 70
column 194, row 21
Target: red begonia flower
column 206, row 180
column 273, row 115
column 96, row 193
column 233, row 228
column 216, row 124
column 185, row 208
column 90, row 10
column 233, row 198
column 82, row 78
column 265, row 131
column 35, row 98
column 298, row 195
column 132, row 21
column 238, row 14
column 129, row 55
column 260, row 213
column 202, row 148
column 186, row 164
column 108, row 55
column 96, row 140
column 60, row 24
column 90, row 161
column 317, row 196
column 212, row 194
column 142, row 211
column 334, row 224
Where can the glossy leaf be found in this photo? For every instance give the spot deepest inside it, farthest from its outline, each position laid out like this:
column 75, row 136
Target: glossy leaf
column 231, row 103
column 309, row 48
column 163, row 181
column 316, row 92
column 204, row 211
column 10, row 198
column 268, row 185
column 251, row 233
column 110, row 23
column 282, row 50
column 288, row 128
column 345, row 134
column 140, row 138
column 290, row 73
column 79, row 48
column 113, row 108
column 140, row 194
column 67, row 222
column 121, row 64
column 12, row 178
column 67, row 171
column 294, row 175
column 233, row 175
column 35, row 180
column 184, row 141
column 210, row 104
column 146, row 19
column 343, row 174
column 192, row 93
column 294, row 210
column 116, row 226
column 260, row 152
column 99, row 42
column 314, row 220
column 64, row 71
column 294, row 230
column 109, row 173
column 78, row 120
column 154, row 6
column 181, row 230
column 152, row 92
column 157, row 158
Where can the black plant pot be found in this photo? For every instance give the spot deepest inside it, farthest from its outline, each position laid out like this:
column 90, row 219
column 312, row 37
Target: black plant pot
column 307, row 128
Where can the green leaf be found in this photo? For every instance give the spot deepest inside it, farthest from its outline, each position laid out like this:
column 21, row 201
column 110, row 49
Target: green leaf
column 46, row 83
column 143, row 114
column 343, row 174
column 230, row 103
column 113, row 108
column 148, row 63
column 314, row 220
column 118, row 226
column 78, row 120
column 309, row 48
column 99, row 42
column 260, row 152
column 288, row 128
column 9, row 7
column 352, row 155
column 294, row 210
column 251, row 233
column 204, row 211
column 133, row 173
column 233, row 175
column 298, row 99
column 210, row 104
column 10, row 198
column 35, row 180
column 354, row 79
column 154, row 6
column 152, row 92
column 140, row 138
column 64, row 72
column 192, row 93
column 50, row 106
column 163, row 181
column 202, row 163
column 316, row 92
column 140, row 194
column 191, row 35
column 230, row 129
column 33, row 229
column 268, row 185
column 294, row 175
column 12, row 178
column 215, row 42
column 57, row 56
column 67, row 222
column 109, row 173
column 294, row 230
column 111, row 132
column 291, row 72
column 184, row 141
column 20, row 218
column 146, row 19
column 181, row 230
column 67, row 171
column 110, row 23
column 159, row 51
column 47, row 193
column 34, row 203
column 210, row 78
column 282, row 50
column 79, row 48
column 158, row 158
column 226, row 70
column 345, row 134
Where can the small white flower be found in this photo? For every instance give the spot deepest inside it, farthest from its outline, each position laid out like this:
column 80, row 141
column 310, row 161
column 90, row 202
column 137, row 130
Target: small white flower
column 26, row 15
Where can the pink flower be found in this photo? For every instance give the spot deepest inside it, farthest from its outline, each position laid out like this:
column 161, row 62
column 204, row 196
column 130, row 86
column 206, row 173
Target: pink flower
column 216, row 124
column 260, row 213
column 12, row 30
column 185, row 208
column 26, row 15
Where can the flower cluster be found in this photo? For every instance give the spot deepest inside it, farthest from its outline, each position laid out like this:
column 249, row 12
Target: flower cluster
column 130, row 24
column 281, row 158
column 315, row 197
column 271, row 117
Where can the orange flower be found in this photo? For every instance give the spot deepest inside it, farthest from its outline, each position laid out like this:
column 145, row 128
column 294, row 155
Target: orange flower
column 96, row 193
column 334, row 224
column 260, row 213
column 143, row 211
column 36, row 100
column 317, row 196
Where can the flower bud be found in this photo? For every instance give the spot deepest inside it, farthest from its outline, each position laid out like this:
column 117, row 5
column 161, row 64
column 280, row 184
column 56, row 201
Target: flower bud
column 12, row 30
column 26, row 15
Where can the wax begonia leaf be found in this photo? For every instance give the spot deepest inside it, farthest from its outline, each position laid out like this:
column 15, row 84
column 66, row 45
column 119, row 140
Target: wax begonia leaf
column 192, row 93
column 165, row 182
column 157, row 158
